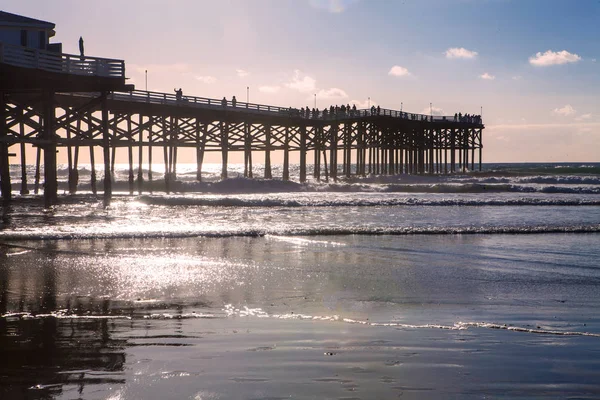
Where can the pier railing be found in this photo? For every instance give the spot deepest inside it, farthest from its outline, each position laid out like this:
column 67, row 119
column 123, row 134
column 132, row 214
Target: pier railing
column 27, row 57
column 170, row 99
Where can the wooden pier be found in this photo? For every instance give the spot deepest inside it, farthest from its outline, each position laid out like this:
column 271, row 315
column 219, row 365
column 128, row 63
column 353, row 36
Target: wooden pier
column 53, row 101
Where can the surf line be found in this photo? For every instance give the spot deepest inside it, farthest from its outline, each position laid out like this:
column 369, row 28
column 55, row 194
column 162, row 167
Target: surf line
column 231, row 311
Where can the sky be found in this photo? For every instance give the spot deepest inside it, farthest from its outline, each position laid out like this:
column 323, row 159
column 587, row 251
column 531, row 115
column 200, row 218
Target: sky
column 530, row 65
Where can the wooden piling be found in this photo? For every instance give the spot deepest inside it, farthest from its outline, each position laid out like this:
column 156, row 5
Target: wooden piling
column 24, row 189
column 302, row 153
column 5, row 184
column 49, row 137
column 286, row 155
column 106, row 152
column 224, row 148
column 268, row 174
column 140, row 174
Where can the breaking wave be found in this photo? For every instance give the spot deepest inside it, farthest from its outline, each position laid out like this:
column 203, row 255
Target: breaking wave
column 7, row 237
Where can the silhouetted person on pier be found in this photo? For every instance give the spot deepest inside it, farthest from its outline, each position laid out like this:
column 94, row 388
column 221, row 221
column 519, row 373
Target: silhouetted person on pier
column 233, row 101
column 81, row 52
column 378, row 110
column 455, row 116
column 459, row 117
column 331, row 110
column 325, row 113
column 354, row 109
column 343, row 109
column 224, row 102
column 178, row 94
column 372, row 110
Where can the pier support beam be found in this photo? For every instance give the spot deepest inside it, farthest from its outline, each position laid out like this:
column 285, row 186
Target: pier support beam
column 106, row 152
column 5, row 184
column 268, row 174
column 302, row 153
column 224, row 148
column 333, row 152
column 49, row 137
column 286, row 155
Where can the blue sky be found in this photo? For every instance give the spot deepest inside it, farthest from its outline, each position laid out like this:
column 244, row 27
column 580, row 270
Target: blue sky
column 459, row 55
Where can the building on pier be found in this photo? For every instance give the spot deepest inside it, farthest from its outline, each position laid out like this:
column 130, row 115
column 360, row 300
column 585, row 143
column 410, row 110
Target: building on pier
column 18, row 30
column 76, row 103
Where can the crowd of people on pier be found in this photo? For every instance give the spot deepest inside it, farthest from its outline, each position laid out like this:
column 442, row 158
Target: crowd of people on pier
column 347, row 111
column 467, row 118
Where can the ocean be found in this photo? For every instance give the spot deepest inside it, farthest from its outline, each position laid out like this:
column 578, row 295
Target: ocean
column 483, row 284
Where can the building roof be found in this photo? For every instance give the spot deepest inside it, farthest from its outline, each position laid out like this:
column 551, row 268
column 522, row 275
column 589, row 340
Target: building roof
column 14, row 20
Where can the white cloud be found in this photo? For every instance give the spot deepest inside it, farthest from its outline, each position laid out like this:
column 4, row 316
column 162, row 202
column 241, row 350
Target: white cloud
column 242, row 73
column 583, row 117
column 397, row 70
column 206, row 79
column 334, row 6
column 565, row 111
column 517, row 78
column 303, row 84
column 553, row 58
column 487, row 76
column 364, row 104
column 331, row 94
column 269, row 89
column 460, row 52
column 434, row 111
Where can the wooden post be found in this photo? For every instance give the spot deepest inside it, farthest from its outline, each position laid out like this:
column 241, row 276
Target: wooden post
column 318, row 140
column 348, row 150
column 199, row 152
column 24, row 189
column 247, row 149
column 50, row 184
column 453, row 150
column 431, row 145
column 150, row 126
column 224, row 148
column 302, row 153
column 174, row 146
column 75, row 180
column 286, row 155
column 333, row 130
column 140, row 175
column 466, row 150
column 93, row 177
column 166, row 140
column 325, row 165
column 268, row 174
column 38, row 160
column 473, row 150
column 5, row 184
column 130, row 155
column 480, row 147
column 106, row 151
column 446, row 151
column 69, row 157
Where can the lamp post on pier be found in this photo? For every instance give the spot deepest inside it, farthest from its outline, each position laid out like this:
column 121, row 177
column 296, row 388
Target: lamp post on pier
column 315, row 100
column 146, row 80
column 247, row 94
